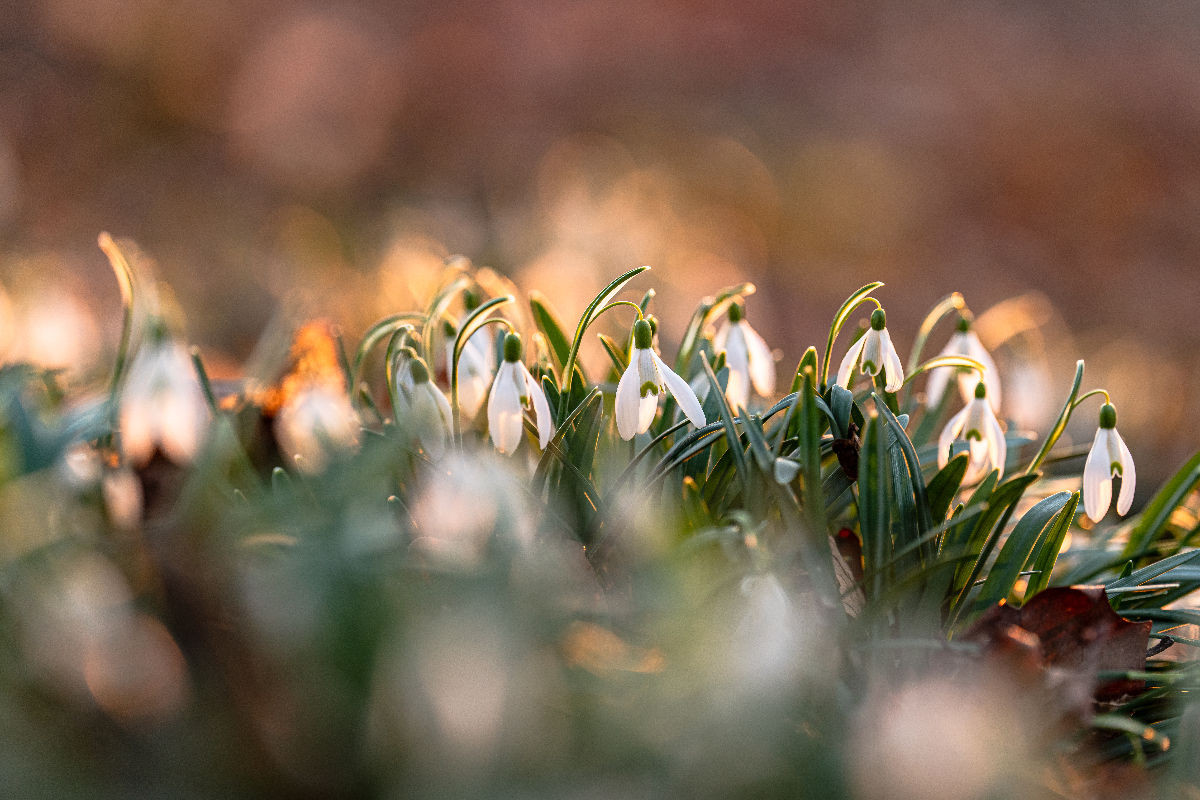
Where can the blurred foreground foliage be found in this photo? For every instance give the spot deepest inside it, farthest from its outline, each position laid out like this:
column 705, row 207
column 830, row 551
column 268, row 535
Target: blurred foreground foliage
column 791, row 600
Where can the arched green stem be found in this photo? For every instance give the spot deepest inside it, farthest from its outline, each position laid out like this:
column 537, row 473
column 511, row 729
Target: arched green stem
column 961, row 362
column 1060, row 425
column 374, row 335
column 703, row 313
column 594, row 309
column 1092, row 393
column 637, row 308
column 949, row 303
column 839, row 319
column 472, row 324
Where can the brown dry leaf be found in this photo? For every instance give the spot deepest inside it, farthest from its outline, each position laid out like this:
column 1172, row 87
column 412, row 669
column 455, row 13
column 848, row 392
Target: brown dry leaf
column 1077, row 633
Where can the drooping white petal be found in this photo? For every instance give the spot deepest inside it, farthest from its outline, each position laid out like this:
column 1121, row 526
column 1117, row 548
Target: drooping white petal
column 474, row 373
column 849, row 360
column 1128, row 476
column 719, row 340
column 737, row 358
column 504, row 409
column 762, row 361
column 432, row 415
column 683, row 393
column 1097, row 477
column 629, row 400
column 162, row 405
column 893, row 370
column 973, row 348
column 949, row 434
column 541, row 408
column 648, row 402
column 872, row 354
column 313, row 421
column 999, row 445
column 939, row 377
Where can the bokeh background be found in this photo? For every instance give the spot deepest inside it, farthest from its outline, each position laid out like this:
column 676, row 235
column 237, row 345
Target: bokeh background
column 262, row 150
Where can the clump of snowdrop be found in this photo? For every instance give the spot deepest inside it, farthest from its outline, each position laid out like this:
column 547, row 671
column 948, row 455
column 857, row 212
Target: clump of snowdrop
column 642, row 382
column 877, row 354
column 748, row 357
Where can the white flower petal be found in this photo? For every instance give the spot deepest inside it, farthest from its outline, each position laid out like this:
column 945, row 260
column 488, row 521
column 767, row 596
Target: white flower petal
column 893, row 370
column 949, row 434
column 431, row 425
column 872, row 354
column 967, row 380
column 762, row 362
column 1097, row 478
column 737, row 359
column 999, row 445
column 541, row 408
column 628, row 402
column 849, row 360
column 939, row 377
column 1128, row 477
column 504, row 410
column 722, row 335
column 683, row 393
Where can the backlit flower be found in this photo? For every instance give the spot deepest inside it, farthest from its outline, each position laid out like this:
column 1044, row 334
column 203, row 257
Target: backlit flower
column 643, row 381
column 513, row 391
column 162, row 406
column 475, row 368
column 1108, row 458
column 425, row 408
column 976, row 425
column 749, row 359
column 964, row 342
column 878, row 354
column 314, row 420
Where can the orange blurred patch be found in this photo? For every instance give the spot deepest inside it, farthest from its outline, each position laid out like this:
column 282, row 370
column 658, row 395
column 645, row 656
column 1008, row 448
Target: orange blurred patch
column 313, row 362
column 602, row 652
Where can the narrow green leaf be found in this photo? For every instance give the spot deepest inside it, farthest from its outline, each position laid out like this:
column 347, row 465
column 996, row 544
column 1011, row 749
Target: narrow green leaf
column 945, row 485
column 873, row 507
column 616, row 354
column 1045, row 555
column 727, row 421
column 548, row 323
column 916, row 480
column 1018, row 548
column 1153, row 519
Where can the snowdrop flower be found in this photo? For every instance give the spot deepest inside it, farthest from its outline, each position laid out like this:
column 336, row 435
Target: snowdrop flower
column 748, row 358
column 314, row 419
column 976, row 425
column 643, row 381
column 964, row 342
column 512, row 392
column 427, row 409
column 162, row 406
column 878, row 354
column 475, row 369
column 1108, row 458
